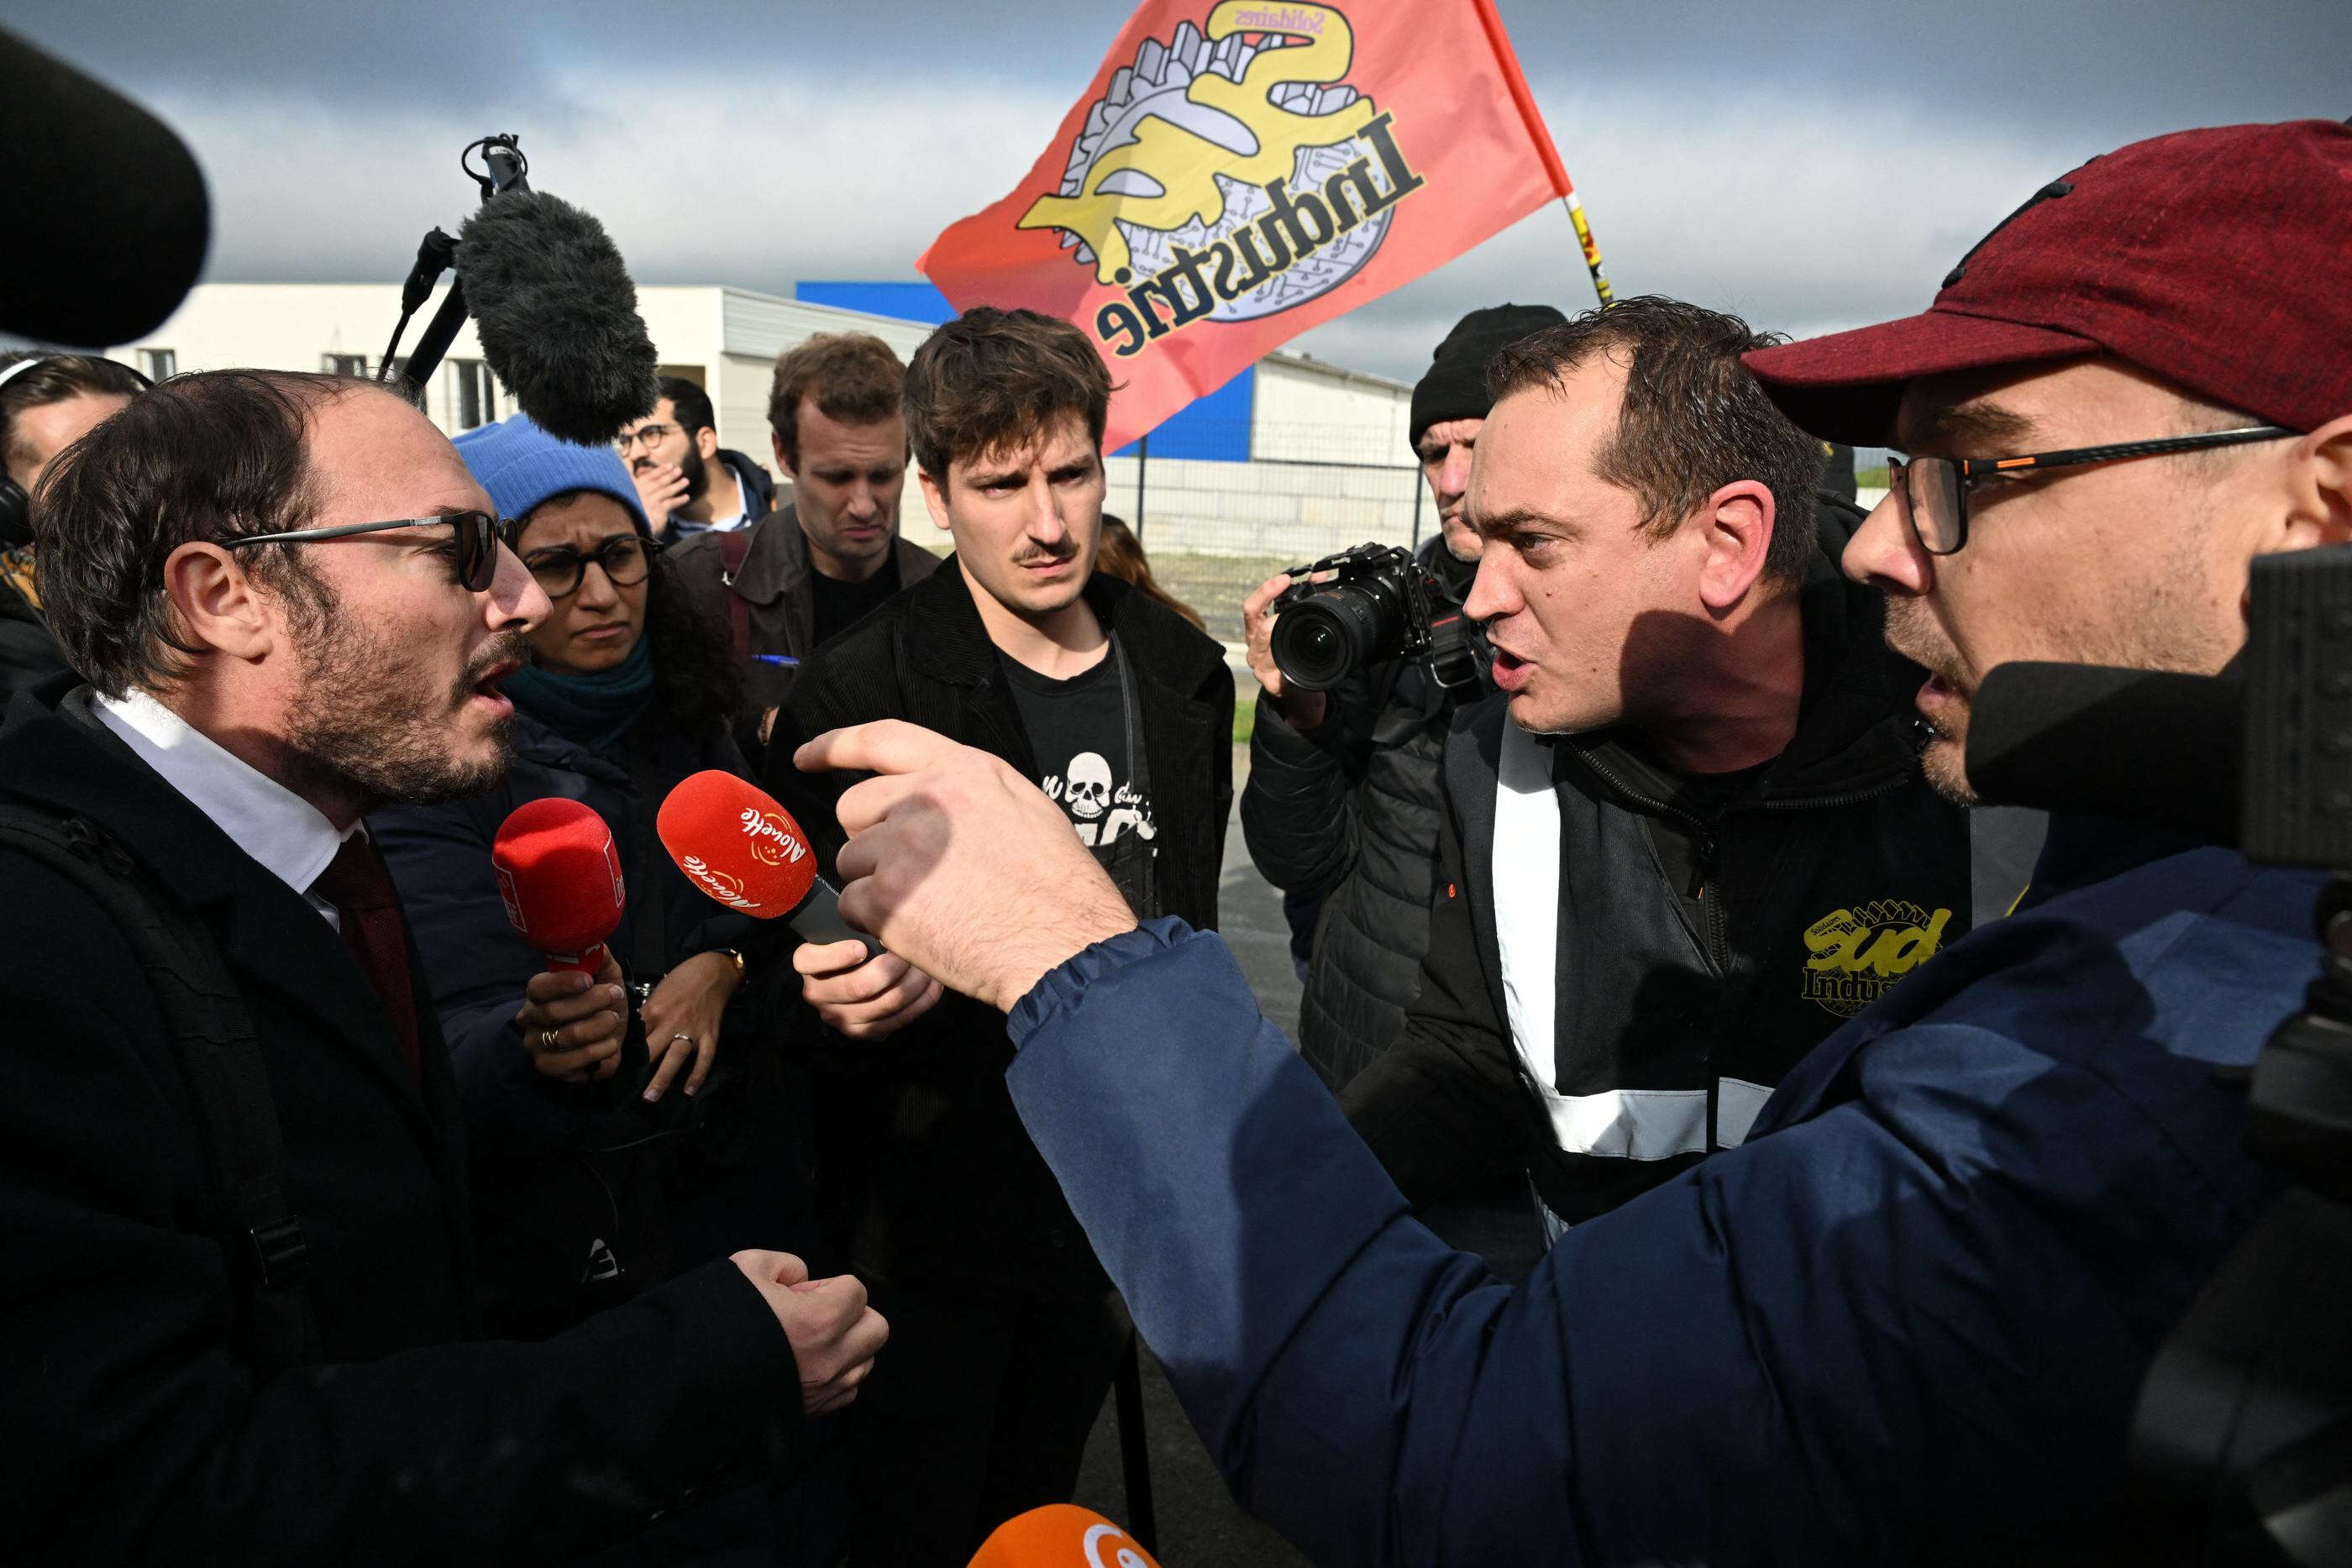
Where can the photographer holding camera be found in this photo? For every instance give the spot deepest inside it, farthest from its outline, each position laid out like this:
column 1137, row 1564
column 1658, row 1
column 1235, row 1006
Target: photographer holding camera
column 1342, row 801
column 1732, row 849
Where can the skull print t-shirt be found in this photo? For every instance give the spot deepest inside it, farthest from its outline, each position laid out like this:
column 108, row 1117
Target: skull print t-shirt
column 1077, row 730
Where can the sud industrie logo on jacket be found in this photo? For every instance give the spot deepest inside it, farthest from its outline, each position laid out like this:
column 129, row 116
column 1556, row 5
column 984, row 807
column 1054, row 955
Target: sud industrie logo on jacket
column 1859, row 953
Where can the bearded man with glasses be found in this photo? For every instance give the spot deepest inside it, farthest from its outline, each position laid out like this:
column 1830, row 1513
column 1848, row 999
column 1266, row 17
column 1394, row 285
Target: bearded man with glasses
column 292, row 605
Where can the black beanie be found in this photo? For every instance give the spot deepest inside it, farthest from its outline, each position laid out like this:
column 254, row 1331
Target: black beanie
column 1456, row 384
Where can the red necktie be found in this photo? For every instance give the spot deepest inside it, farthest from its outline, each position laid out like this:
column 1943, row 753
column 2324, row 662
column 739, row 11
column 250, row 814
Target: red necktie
column 361, row 890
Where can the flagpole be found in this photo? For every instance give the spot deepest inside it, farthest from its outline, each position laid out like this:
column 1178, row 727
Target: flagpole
column 1591, row 251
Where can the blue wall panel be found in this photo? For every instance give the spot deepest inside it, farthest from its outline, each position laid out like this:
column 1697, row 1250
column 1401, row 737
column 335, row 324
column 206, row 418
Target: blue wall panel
column 1214, row 429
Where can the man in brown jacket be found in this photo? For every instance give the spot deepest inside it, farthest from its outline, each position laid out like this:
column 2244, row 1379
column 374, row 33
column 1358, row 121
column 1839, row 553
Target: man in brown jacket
column 810, row 569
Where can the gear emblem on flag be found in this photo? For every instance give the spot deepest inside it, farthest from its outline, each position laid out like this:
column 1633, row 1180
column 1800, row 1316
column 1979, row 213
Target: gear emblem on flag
column 1228, row 173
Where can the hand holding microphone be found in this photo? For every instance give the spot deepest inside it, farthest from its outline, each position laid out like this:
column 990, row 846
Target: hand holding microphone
column 860, row 997
column 737, row 844
column 961, row 864
column 559, row 879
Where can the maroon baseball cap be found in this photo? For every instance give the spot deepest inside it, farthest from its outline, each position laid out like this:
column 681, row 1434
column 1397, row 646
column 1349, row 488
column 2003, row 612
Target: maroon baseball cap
column 2219, row 260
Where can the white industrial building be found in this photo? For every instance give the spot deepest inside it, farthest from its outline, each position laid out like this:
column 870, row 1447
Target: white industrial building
column 1326, row 461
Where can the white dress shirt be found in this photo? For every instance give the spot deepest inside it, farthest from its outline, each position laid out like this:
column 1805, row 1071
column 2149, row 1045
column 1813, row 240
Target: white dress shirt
column 291, row 838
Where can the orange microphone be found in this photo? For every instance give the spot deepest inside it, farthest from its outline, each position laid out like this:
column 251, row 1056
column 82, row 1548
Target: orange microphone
column 560, row 878
column 735, row 845
column 1061, row 1535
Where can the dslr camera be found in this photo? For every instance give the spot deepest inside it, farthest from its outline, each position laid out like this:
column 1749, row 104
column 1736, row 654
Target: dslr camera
column 1372, row 603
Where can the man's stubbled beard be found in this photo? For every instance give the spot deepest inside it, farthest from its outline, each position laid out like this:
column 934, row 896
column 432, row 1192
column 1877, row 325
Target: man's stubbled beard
column 372, row 725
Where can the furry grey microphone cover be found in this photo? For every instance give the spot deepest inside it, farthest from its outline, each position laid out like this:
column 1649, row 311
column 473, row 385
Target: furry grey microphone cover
column 557, row 315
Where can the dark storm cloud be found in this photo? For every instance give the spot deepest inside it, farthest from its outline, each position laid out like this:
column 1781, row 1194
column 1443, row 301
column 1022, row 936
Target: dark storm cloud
column 1812, row 165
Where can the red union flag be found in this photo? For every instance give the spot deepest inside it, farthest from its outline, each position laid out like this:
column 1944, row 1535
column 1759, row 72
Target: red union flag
column 1239, row 172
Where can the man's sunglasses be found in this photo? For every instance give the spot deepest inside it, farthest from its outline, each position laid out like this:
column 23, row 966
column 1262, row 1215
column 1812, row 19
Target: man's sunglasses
column 1934, row 490
column 477, row 532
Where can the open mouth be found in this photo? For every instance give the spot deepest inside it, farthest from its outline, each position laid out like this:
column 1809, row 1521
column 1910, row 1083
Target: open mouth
column 488, row 688
column 1511, row 672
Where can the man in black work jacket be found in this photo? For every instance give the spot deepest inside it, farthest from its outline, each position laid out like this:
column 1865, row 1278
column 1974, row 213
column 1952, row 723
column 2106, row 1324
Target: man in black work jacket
column 1004, row 1335
column 1704, row 761
column 301, row 684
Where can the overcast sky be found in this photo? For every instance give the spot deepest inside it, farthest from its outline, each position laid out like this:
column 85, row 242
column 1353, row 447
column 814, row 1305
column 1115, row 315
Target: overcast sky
column 1811, row 166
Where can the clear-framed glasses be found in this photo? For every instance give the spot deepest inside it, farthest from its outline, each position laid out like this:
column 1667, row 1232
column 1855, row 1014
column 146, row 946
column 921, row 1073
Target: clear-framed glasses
column 476, row 557
column 1934, row 490
column 558, row 570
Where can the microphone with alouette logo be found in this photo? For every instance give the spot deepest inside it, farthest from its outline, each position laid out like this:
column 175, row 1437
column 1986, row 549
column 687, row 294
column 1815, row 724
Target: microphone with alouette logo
column 559, row 877
column 1061, row 1535
column 735, row 843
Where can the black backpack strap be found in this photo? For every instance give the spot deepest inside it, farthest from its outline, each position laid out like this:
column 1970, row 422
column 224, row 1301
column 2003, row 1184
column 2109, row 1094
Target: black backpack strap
column 211, row 1035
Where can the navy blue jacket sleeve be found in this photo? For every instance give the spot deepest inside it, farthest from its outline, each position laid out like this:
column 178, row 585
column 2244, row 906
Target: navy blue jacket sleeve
column 1919, row 1316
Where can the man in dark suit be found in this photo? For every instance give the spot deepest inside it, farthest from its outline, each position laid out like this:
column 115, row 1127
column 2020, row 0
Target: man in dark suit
column 252, row 699
column 1005, row 1336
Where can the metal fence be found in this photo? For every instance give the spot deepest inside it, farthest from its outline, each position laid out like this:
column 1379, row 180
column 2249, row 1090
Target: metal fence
column 1215, row 529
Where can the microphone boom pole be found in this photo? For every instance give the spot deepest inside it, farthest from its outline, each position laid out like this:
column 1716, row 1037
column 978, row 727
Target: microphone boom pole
column 502, row 155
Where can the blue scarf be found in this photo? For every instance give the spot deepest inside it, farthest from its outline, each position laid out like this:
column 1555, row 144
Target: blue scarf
column 594, row 711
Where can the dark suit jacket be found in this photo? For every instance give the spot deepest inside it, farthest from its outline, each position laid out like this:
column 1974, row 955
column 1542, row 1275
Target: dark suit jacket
column 922, row 1165
column 131, row 1431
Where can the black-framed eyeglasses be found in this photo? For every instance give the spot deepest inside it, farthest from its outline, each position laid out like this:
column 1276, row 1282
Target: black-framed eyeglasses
column 1934, row 490
column 558, row 570
column 650, row 434
column 477, row 533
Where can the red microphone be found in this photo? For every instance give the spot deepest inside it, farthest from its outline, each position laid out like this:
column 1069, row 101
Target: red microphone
column 735, row 843
column 560, row 878
column 1061, row 1535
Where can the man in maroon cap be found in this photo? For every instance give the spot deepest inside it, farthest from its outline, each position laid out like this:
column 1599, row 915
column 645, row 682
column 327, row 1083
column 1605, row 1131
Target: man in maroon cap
column 2187, row 299
column 1908, row 1318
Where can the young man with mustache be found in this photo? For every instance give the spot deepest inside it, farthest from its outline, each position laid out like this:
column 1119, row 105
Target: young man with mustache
column 1907, row 1319
column 1004, row 1335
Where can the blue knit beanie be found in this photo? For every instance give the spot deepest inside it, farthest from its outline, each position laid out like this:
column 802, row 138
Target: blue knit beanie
column 521, row 466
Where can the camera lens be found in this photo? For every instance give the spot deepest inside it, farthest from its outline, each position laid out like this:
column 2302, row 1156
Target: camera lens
column 1323, row 637
column 1310, row 648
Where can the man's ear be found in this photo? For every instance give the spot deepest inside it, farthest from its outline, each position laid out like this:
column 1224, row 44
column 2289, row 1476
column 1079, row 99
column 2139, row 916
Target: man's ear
column 935, row 501
column 2319, row 494
column 706, row 442
column 784, row 458
column 216, row 604
column 1737, row 520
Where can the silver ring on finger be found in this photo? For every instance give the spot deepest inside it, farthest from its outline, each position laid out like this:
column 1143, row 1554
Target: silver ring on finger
column 547, row 1040
column 687, row 1038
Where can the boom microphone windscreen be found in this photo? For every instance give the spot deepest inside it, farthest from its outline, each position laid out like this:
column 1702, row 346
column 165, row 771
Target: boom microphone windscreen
column 559, row 877
column 1061, row 1535
column 108, row 218
column 2146, row 747
column 557, row 315
column 736, row 844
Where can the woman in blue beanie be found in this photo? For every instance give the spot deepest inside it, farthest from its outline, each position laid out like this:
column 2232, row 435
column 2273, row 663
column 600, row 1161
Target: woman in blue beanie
column 592, row 1183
